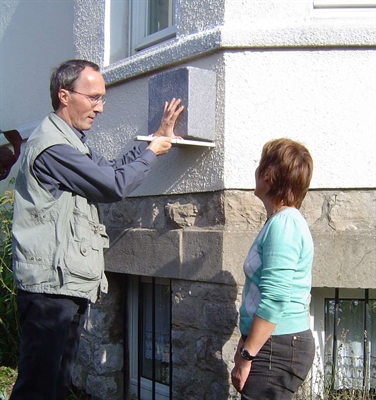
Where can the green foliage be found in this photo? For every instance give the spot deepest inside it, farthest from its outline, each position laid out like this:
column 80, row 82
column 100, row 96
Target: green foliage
column 77, row 394
column 7, row 378
column 9, row 325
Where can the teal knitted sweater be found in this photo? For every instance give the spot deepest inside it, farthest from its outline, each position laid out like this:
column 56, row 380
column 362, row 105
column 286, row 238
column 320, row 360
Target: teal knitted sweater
column 278, row 275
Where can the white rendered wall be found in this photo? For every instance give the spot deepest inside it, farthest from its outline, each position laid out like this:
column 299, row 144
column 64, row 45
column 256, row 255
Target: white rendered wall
column 282, row 70
column 324, row 98
column 182, row 170
column 34, row 38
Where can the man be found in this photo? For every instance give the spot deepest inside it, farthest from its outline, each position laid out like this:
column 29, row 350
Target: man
column 58, row 240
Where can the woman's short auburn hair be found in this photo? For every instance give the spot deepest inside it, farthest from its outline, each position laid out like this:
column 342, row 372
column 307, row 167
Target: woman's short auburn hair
column 287, row 166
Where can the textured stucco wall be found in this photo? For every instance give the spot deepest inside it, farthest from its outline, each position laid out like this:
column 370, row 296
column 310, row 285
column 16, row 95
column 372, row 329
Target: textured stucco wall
column 283, row 69
column 325, row 99
column 277, row 74
column 88, row 29
column 182, row 169
column 34, row 38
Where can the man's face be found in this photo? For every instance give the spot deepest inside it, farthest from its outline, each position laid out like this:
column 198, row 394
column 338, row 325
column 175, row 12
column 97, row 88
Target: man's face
column 77, row 109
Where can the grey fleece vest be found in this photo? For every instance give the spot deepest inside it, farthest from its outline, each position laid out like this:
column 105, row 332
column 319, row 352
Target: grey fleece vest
column 57, row 243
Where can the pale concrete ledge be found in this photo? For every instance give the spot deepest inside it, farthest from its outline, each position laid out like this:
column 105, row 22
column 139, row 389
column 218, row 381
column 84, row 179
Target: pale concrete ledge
column 345, row 260
column 341, row 259
column 194, row 255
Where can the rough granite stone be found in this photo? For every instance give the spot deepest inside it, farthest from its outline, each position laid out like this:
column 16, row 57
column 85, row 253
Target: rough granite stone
column 196, row 88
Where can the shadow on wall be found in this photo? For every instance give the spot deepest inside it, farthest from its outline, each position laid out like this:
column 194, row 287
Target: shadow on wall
column 204, row 339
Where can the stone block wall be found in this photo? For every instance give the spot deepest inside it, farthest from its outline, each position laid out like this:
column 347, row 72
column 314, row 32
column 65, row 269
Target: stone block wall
column 199, row 241
column 204, row 339
column 99, row 366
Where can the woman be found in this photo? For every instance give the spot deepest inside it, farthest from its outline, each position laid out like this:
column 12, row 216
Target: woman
column 276, row 350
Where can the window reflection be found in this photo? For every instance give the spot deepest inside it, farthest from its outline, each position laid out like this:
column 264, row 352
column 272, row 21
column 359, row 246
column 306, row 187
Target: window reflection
column 156, row 338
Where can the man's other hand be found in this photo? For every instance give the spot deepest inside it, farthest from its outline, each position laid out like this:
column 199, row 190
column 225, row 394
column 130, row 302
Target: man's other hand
column 171, row 112
column 160, row 145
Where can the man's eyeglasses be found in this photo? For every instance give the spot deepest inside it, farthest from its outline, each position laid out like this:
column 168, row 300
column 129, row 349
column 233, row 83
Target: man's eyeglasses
column 94, row 100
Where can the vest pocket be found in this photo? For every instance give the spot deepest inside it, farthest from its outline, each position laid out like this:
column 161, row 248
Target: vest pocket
column 85, row 249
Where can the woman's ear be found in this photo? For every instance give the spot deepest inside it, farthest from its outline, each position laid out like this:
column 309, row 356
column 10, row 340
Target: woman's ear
column 267, row 174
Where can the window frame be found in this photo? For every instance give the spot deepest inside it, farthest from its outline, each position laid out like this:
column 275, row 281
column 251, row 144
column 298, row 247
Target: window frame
column 362, row 10
column 317, row 322
column 344, row 3
column 139, row 386
column 338, row 295
column 138, row 25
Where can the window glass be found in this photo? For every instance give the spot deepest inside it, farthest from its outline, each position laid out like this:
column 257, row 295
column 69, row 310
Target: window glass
column 160, row 15
column 149, row 311
column 350, row 332
column 161, row 335
column 152, row 22
column 133, row 25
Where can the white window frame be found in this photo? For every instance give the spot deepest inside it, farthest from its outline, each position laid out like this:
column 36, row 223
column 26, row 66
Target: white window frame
column 344, row 3
column 136, row 15
column 362, row 10
column 162, row 391
column 138, row 25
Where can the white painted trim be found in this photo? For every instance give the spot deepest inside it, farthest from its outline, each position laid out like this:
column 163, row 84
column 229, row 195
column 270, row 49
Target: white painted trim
column 156, row 37
column 107, row 32
column 344, row 3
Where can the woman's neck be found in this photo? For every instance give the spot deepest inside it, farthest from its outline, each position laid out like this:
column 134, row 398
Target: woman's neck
column 273, row 209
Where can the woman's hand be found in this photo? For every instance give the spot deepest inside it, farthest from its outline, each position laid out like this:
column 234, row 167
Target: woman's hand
column 241, row 370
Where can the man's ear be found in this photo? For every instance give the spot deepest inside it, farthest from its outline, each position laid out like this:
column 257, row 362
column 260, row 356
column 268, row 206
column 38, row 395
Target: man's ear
column 63, row 96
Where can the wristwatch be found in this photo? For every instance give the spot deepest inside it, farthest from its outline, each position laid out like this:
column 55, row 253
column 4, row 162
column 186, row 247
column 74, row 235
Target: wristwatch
column 246, row 355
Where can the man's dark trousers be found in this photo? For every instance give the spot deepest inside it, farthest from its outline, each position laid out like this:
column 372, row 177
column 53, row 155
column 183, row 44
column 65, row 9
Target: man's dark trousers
column 51, row 327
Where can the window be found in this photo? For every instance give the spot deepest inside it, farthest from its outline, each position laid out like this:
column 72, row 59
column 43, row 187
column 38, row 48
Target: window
column 133, row 25
column 344, row 3
column 149, row 307
column 350, row 342
column 152, row 22
column 345, row 9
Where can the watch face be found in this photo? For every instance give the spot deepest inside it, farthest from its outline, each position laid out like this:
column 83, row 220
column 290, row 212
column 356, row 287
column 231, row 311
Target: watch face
column 245, row 354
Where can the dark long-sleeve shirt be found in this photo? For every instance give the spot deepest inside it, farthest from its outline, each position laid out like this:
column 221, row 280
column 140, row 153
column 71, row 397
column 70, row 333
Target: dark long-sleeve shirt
column 62, row 167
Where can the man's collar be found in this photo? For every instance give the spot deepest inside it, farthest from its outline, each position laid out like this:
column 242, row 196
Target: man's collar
column 80, row 134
